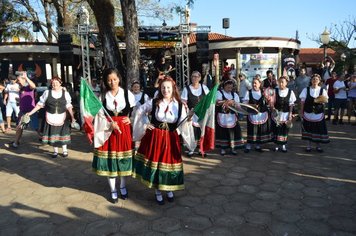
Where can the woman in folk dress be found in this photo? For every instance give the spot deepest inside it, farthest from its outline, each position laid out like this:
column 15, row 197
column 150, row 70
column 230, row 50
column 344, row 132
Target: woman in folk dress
column 228, row 130
column 313, row 124
column 158, row 161
column 283, row 104
column 56, row 102
column 114, row 157
column 258, row 125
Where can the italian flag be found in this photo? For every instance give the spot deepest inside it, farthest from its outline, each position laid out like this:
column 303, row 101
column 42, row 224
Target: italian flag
column 89, row 106
column 205, row 110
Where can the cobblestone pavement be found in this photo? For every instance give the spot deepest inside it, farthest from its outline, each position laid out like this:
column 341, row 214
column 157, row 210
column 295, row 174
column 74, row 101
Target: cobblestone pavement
column 294, row 193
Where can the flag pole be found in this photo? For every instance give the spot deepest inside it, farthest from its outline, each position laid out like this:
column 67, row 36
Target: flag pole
column 108, row 115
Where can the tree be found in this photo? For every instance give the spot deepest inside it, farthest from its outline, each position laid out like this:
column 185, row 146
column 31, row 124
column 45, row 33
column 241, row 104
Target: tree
column 45, row 27
column 129, row 15
column 12, row 22
column 342, row 37
column 105, row 17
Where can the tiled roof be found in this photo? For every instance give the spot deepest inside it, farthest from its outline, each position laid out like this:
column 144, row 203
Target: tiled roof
column 315, row 55
column 212, row 37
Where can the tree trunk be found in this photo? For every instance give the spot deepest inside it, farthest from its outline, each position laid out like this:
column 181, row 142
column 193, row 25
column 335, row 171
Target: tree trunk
column 104, row 13
column 48, row 21
column 60, row 21
column 129, row 15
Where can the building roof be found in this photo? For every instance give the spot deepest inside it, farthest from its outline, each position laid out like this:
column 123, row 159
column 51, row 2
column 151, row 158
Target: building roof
column 315, row 55
column 212, row 37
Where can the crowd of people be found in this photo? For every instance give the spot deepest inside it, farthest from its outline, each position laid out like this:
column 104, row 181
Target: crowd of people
column 143, row 139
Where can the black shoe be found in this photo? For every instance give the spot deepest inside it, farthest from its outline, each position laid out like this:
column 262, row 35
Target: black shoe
column 65, row 154
column 258, row 150
column 308, row 149
column 327, row 119
column 222, row 152
column 341, row 122
column 233, row 152
column 246, row 150
column 205, row 155
column 158, row 201
column 124, row 196
column 54, row 155
column 170, row 199
column 334, row 122
column 319, row 149
column 11, row 145
column 114, row 197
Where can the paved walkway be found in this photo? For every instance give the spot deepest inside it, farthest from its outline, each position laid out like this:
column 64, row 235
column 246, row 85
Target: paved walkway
column 294, row 193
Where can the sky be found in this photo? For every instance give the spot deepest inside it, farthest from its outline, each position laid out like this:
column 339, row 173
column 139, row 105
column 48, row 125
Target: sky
column 272, row 18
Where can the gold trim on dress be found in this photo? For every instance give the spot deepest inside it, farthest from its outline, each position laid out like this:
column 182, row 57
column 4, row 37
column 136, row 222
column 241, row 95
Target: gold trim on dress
column 112, row 174
column 158, row 165
column 113, row 154
column 158, row 186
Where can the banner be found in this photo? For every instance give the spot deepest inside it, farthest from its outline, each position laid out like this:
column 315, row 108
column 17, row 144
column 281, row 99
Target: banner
column 252, row 64
column 36, row 70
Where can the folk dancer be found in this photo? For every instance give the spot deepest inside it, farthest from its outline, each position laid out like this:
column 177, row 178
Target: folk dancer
column 228, row 130
column 313, row 124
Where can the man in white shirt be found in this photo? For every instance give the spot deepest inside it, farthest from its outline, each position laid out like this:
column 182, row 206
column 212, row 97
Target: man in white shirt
column 340, row 102
column 12, row 99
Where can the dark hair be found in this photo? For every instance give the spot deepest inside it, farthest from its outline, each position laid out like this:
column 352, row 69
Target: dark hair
column 135, row 82
column 175, row 92
column 106, row 73
column 269, row 71
column 12, row 77
column 228, row 82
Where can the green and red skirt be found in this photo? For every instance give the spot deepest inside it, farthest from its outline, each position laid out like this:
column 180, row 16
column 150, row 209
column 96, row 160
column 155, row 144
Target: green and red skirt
column 158, row 161
column 114, row 158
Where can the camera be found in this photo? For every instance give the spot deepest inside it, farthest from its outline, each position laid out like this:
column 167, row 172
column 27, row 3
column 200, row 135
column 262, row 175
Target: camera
column 19, row 73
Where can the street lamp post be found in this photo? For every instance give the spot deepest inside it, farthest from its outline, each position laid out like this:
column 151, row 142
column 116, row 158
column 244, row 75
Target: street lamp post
column 325, row 39
column 343, row 59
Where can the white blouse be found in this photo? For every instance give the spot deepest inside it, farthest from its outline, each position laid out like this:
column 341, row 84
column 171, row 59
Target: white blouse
column 56, row 95
column 165, row 112
column 284, row 93
column 228, row 96
column 284, row 116
column 314, row 92
column 196, row 92
column 255, row 94
column 138, row 98
column 117, row 103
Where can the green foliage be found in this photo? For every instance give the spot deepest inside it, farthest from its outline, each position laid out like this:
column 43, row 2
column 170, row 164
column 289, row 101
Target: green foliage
column 13, row 22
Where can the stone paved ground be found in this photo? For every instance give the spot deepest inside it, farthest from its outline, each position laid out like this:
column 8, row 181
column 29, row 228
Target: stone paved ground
column 296, row 193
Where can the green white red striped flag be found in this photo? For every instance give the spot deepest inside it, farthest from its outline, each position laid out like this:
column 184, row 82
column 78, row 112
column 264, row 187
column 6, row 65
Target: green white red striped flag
column 89, row 106
column 205, row 110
